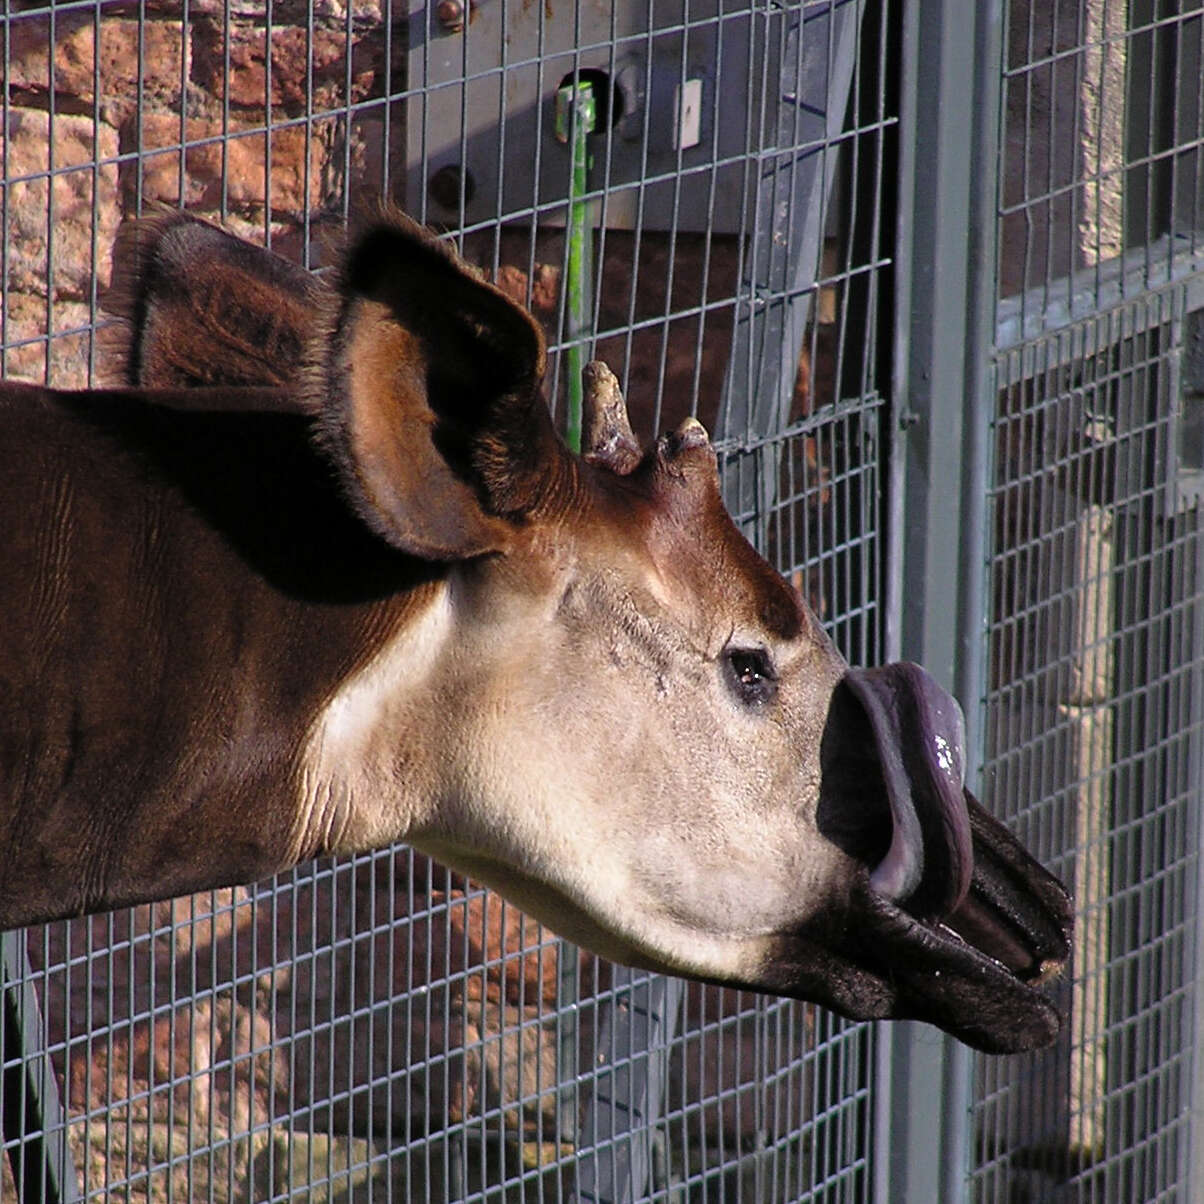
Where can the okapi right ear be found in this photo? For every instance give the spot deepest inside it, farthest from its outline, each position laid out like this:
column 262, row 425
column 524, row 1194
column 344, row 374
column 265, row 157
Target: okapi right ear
column 429, row 382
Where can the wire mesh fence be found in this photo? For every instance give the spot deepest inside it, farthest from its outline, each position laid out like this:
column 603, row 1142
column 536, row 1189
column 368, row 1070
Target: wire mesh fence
column 380, row 1028
column 377, row 1027
column 1093, row 690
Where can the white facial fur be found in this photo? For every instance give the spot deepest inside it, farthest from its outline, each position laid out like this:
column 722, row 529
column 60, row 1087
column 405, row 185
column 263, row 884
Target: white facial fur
column 573, row 745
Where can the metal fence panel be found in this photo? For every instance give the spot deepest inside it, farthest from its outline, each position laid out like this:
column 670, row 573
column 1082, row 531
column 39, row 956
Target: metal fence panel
column 944, row 291
column 375, row 1027
column 1091, row 691
column 1093, row 744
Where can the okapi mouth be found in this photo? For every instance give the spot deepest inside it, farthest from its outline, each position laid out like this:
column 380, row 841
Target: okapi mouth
column 954, row 922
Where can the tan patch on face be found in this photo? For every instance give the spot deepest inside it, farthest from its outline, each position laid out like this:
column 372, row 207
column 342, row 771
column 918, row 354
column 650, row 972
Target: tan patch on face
column 611, row 786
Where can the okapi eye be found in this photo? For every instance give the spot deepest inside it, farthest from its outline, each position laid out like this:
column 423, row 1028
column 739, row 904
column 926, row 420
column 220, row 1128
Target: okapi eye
column 751, row 675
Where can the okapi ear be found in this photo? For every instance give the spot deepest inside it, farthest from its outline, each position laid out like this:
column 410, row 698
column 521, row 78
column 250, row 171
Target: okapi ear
column 199, row 306
column 429, row 393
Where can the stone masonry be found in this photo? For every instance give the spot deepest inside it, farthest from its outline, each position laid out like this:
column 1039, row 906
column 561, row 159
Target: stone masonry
column 221, row 114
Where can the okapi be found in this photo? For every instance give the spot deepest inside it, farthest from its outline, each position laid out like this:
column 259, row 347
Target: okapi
column 256, row 612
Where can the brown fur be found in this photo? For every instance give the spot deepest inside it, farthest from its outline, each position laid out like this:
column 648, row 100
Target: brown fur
column 392, row 373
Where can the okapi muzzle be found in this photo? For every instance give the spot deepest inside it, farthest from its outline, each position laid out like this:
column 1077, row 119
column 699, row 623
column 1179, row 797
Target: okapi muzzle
column 319, row 575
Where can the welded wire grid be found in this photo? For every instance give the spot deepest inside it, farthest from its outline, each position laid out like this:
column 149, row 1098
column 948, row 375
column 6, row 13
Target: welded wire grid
column 376, row 1028
column 1092, row 702
column 1101, row 174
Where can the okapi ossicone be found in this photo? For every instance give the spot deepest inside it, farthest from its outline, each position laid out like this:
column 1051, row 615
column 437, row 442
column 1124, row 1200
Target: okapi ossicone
column 255, row 613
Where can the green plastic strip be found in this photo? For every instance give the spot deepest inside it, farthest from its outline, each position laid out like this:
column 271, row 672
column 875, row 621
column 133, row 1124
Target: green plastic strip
column 576, row 115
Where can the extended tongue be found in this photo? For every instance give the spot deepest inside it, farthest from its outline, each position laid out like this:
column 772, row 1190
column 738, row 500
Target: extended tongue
column 918, row 735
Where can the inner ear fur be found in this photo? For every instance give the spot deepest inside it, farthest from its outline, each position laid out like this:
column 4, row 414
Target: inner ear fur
column 429, row 383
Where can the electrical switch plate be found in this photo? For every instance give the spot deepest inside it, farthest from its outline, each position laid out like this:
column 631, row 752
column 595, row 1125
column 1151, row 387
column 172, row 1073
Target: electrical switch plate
column 687, row 114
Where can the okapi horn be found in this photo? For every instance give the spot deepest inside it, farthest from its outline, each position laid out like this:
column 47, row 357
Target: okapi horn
column 606, row 435
column 690, row 433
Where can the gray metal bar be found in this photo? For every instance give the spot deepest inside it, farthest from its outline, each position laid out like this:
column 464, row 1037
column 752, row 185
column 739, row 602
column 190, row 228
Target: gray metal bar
column 818, row 51
column 818, row 54
column 952, row 55
column 568, row 1002
column 41, row 1165
column 1056, row 304
column 1192, row 1158
column 620, row 1124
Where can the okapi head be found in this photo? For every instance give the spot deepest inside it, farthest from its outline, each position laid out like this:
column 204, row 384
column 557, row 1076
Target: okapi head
column 379, row 600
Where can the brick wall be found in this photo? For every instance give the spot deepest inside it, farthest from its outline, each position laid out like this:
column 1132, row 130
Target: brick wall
column 106, row 111
column 106, row 114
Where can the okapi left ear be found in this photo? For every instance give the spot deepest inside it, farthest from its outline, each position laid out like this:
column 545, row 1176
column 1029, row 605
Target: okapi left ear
column 430, row 397
column 201, row 307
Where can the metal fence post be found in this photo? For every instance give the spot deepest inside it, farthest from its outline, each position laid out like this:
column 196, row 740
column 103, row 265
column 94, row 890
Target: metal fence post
column 30, row 1109
column 817, row 50
column 620, row 1122
column 1193, row 1150
column 952, row 54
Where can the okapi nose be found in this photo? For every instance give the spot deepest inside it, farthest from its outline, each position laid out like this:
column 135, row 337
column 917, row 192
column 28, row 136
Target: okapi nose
column 893, row 794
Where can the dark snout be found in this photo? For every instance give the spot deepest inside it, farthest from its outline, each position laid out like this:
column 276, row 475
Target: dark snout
column 953, row 921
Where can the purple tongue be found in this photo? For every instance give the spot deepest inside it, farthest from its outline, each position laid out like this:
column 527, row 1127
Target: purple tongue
column 919, row 736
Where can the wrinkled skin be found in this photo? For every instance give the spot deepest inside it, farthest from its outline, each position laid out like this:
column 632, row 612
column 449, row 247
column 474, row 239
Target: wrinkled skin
column 259, row 622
